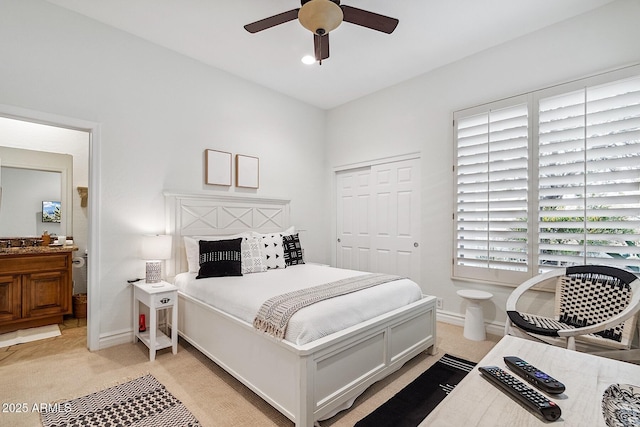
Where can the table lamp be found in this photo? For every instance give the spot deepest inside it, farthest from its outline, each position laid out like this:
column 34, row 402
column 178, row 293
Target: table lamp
column 155, row 249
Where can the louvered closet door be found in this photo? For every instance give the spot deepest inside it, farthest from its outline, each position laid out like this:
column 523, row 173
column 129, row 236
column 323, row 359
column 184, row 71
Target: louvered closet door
column 378, row 220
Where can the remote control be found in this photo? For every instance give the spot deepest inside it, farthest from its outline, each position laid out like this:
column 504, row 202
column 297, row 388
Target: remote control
column 520, row 391
column 534, row 375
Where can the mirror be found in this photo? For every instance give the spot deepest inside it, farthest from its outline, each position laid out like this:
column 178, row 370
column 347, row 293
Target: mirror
column 29, row 178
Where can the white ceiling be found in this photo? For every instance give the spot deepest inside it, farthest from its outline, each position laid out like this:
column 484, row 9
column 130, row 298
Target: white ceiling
column 431, row 34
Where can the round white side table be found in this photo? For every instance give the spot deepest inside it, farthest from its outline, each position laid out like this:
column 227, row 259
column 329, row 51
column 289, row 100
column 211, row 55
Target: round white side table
column 474, row 317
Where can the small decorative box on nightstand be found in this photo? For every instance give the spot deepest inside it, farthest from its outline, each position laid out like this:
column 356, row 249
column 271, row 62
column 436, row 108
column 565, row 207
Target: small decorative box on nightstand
column 155, row 297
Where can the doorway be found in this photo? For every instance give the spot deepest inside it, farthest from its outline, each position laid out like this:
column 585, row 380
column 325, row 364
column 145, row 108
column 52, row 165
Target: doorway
column 32, row 130
column 378, row 218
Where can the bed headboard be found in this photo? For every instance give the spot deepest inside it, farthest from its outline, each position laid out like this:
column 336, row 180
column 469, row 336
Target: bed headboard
column 215, row 215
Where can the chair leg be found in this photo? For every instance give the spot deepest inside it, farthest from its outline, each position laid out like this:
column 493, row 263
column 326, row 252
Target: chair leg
column 571, row 343
column 507, row 327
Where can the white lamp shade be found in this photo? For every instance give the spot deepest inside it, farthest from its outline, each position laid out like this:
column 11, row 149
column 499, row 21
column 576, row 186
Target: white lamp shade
column 156, row 247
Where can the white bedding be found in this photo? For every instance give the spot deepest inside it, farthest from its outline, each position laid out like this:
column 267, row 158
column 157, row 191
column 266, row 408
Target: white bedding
column 242, row 296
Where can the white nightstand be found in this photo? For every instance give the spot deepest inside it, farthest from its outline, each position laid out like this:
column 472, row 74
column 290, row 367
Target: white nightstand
column 156, row 298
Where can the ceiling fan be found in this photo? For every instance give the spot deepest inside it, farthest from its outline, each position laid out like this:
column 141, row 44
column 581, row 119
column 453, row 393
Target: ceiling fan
column 323, row 16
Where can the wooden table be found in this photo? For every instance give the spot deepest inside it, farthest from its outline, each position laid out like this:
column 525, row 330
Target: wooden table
column 476, row 402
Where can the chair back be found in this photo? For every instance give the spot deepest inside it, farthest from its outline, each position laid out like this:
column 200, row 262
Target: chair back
column 593, row 294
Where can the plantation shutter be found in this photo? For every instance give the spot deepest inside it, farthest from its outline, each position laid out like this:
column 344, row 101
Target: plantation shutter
column 589, row 176
column 491, row 192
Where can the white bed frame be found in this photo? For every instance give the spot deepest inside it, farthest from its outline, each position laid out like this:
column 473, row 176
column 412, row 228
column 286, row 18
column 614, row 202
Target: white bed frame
column 307, row 382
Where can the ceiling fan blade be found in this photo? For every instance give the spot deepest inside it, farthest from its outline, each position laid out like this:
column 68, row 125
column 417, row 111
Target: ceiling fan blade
column 368, row 19
column 272, row 21
column 321, row 47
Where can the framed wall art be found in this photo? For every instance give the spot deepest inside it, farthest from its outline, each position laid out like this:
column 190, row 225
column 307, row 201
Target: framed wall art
column 217, row 167
column 247, row 171
column 51, row 211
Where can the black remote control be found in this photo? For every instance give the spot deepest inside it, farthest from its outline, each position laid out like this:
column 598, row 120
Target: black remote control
column 534, row 375
column 520, row 391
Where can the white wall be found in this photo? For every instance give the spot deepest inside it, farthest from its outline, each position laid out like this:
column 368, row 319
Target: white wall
column 416, row 116
column 158, row 112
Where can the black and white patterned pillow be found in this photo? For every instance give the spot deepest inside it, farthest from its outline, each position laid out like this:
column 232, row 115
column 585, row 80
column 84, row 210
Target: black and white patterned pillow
column 220, row 258
column 252, row 258
column 292, row 250
column 193, row 249
column 272, row 250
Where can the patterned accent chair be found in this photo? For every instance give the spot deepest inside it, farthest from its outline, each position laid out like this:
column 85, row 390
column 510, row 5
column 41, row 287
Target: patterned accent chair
column 595, row 305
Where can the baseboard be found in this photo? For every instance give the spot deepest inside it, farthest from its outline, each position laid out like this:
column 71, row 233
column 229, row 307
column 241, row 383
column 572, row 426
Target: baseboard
column 493, row 328
column 115, row 338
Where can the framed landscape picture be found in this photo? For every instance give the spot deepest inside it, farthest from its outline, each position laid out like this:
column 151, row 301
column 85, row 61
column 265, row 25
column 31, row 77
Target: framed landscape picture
column 51, row 211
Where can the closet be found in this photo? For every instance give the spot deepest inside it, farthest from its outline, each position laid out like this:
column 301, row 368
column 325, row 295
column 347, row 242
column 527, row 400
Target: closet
column 378, row 218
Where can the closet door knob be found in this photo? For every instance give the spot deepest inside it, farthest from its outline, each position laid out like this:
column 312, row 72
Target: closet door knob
column 415, row 244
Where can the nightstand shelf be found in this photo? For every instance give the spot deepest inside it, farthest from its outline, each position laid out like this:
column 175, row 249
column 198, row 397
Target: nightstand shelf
column 156, row 296
column 162, row 340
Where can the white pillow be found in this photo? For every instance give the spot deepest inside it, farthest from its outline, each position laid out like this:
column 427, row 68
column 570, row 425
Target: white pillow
column 287, row 232
column 252, row 257
column 192, row 248
column 272, row 250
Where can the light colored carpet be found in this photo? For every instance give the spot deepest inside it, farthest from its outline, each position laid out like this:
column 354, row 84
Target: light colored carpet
column 27, row 335
column 62, row 368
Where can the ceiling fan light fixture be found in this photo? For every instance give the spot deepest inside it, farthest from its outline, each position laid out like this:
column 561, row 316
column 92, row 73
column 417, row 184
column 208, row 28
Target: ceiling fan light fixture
column 320, row 16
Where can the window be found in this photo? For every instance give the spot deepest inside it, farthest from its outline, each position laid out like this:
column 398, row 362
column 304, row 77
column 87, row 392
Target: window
column 492, row 190
column 550, row 179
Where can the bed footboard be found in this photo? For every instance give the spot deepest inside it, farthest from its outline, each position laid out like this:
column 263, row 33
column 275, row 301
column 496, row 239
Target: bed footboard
column 313, row 381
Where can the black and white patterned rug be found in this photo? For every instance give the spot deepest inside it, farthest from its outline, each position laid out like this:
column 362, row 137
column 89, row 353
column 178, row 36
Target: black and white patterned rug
column 140, row 402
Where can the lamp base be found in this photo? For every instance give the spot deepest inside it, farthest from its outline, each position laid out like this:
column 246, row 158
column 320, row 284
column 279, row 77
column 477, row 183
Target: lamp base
column 153, row 272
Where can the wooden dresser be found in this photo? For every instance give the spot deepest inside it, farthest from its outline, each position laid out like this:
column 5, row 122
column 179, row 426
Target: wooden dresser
column 35, row 286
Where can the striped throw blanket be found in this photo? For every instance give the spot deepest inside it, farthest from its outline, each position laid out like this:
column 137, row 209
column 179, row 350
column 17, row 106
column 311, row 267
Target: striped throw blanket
column 275, row 313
